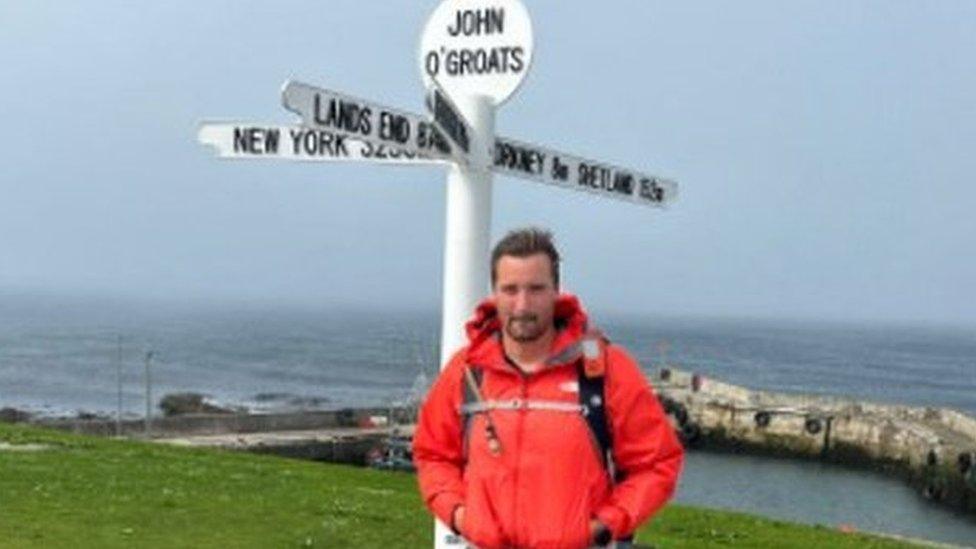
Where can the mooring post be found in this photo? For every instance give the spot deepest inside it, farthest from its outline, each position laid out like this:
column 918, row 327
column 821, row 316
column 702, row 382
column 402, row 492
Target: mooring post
column 147, row 427
column 826, row 439
column 118, row 382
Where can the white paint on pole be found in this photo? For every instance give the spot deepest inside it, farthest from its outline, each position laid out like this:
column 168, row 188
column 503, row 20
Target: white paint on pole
column 364, row 120
column 476, row 53
column 466, row 246
column 250, row 140
column 477, row 48
column 520, row 159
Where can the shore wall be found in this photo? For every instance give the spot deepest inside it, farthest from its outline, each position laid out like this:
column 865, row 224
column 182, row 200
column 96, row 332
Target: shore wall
column 934, row 449
column 221, row 424
column 336, row 436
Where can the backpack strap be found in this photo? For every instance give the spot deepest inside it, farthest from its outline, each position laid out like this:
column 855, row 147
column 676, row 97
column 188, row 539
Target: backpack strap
column 468, row 395
column 591, row 373
column 469, row 398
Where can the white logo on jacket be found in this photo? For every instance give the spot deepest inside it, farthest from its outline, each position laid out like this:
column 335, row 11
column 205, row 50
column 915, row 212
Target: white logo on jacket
column 569, row 386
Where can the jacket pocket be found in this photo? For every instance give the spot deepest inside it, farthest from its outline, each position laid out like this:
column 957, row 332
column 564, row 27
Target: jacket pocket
column 582, row 538
column 481, row 526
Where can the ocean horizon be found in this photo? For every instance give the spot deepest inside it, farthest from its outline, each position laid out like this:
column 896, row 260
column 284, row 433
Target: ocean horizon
column 62, row 355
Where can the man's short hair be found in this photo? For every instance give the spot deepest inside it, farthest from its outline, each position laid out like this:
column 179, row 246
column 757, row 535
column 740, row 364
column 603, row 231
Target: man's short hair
column 524, row 243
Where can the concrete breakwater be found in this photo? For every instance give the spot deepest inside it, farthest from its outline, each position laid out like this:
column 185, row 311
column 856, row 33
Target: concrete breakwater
column 188, row 425
column 934, row 449
column 340, row 436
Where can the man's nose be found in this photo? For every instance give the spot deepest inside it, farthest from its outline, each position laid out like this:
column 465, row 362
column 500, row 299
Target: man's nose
column 521, row 300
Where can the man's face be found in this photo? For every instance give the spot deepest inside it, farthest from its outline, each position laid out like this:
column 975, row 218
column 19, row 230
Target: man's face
column 525, row 296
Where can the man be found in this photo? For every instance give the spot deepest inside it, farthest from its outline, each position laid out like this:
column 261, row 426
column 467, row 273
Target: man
column 507, row 455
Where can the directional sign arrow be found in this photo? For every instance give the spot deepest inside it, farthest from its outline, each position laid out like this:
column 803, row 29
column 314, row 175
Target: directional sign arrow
column 512, row 157
column 255, row 140
column 337, row 126
column 449, row 121
column 365, row 121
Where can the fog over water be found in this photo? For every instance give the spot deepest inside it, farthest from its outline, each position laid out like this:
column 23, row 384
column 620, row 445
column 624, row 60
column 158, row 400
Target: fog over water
column 823, row 159
column 63, row 353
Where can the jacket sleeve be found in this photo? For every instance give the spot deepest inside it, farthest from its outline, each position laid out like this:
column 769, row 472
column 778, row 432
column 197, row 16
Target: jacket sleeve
column 437, row 444
column 645, row 447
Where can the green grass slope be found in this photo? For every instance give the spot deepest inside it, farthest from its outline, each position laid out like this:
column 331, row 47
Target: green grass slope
column 62, row 490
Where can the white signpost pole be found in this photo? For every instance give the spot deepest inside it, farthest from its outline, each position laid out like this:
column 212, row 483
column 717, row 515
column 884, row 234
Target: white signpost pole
column 466, row 244
column 477, row 52
column 468, row 226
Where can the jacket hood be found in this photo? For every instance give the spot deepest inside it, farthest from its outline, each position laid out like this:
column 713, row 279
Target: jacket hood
column 484, row 333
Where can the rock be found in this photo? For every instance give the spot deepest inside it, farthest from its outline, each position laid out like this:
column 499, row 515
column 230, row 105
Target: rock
column 91, row 416
column 177, row 404
column 13, row 415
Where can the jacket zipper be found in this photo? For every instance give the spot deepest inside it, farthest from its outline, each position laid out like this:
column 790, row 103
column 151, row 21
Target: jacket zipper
column 519, row 428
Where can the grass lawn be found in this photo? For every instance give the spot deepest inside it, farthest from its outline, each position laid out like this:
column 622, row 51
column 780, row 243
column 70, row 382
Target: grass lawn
column 63, row 490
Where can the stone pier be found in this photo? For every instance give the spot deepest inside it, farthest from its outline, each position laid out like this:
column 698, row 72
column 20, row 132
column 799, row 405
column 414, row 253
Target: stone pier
column 932, row 448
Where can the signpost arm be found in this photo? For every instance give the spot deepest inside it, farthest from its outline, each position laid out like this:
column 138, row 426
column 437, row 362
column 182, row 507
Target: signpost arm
column 466, row 240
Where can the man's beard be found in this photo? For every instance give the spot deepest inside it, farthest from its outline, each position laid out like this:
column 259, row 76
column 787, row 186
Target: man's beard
column 524, row 328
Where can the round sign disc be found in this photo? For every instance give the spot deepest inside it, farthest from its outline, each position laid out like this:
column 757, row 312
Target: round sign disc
column 477, row 47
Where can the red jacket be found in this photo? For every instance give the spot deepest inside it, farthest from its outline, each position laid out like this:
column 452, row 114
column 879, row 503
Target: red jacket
column 548, row 482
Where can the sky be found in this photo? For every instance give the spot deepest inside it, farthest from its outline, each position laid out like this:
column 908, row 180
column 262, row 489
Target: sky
column 823, row 150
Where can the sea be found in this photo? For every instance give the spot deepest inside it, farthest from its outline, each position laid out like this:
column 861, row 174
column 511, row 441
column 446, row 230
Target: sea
column 69, row 355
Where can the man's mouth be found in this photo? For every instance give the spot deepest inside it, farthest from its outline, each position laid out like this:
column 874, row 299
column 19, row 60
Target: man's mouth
column 524, row 318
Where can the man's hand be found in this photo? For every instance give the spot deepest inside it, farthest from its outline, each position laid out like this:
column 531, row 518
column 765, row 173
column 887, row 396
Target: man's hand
column 457, row 519
column 599, row 533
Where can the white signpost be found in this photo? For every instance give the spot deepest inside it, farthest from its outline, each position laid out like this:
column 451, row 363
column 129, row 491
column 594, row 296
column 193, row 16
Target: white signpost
column 477, row 47
column 449, row 121
column 473, row 55
column 249, row 140
column 346, row 115
column 572, row 172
